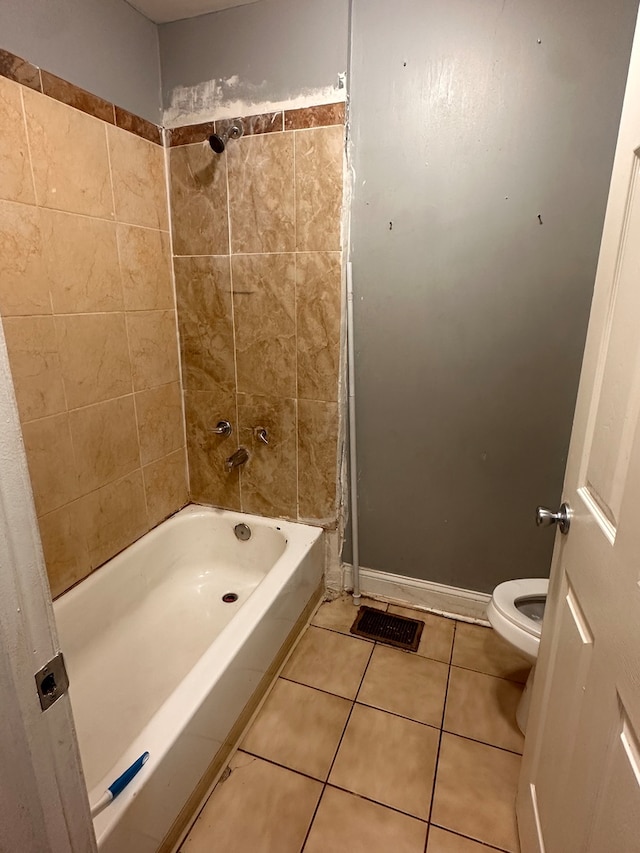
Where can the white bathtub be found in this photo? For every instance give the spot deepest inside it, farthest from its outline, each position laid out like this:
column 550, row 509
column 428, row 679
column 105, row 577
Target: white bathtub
column 158, row 663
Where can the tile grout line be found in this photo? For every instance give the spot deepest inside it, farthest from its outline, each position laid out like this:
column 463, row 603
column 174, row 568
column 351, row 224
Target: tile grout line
column 295, row 320
column 233, row 318
column 344, row 790
column 174, row 290
column 128, row 337
column 469, row 838
column 437, row 761
column 335, row 755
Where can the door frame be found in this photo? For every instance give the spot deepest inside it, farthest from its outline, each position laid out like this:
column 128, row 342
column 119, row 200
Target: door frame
column 43, row 798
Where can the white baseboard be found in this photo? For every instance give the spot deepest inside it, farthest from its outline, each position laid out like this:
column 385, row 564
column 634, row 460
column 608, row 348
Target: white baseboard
column 463, row 604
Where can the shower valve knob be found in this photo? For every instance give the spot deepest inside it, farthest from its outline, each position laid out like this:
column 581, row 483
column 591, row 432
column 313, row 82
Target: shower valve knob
column 545, row 517
column 222, row 428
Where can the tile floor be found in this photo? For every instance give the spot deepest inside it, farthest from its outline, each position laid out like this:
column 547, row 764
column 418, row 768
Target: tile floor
column 362, row 748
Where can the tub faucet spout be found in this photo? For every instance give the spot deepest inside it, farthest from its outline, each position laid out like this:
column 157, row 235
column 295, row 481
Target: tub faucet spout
column 240, row 457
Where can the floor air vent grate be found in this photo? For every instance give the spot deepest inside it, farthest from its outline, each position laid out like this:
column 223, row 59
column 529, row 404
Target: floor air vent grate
column 388, row 628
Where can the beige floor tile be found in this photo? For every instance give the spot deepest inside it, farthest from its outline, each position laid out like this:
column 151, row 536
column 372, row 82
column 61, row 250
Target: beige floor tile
column 259, row 808
column 483, row 650
column 483, row 707
column 388, row 759
column 345, row 823
column 329, row 661
column 298, row 727
column 437, row 636
column 405, row 683
column 476, row 791
column 339, row 615
column 441, row 841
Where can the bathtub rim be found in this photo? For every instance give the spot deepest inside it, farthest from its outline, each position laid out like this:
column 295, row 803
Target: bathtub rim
column 175, row 714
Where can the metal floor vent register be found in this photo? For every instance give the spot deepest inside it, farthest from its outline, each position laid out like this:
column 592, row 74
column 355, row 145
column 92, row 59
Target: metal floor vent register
column 388, row 628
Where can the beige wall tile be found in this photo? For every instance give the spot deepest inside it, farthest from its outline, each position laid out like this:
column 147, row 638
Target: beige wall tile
column 16, row 182
column 114, row 517
column 319, row 188
column 95, row 360
column 345, row 823
column 51, row 462
column 209, row 482
column 318, row 307
column 203, row 290
column 165, row 482
column 317, row 459
column 268, row 479
column 105, row 442
column 81, row 260
column 35, row 366
column 264, row 313
column 69, row 156
column 160, row 421
column 153, row 342
column 23, row 284
column 259, row 807
column 145, row 263
column 261, row 193
column 199, row 201
column 139, row 187
column 65, row 548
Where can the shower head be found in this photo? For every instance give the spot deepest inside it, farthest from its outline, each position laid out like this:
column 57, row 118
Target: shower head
column 218, row 141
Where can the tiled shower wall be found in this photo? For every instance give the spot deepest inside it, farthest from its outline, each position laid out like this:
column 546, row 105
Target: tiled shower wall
column 257, row 258
column 89, row 317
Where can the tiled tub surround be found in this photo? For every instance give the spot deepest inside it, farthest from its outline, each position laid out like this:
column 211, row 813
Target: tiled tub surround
column 87, row 304
column 258, row 266
column 389, row 751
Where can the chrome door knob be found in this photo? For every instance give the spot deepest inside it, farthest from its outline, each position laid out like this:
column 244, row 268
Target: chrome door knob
column 547, row 518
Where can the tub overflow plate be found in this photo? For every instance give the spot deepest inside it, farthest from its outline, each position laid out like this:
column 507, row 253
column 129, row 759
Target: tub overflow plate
column 242, row 531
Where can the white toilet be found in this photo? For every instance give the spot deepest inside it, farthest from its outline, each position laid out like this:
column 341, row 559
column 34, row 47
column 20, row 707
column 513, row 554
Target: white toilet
column 515, row 612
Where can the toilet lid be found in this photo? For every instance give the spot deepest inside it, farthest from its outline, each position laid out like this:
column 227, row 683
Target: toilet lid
column 506, row 594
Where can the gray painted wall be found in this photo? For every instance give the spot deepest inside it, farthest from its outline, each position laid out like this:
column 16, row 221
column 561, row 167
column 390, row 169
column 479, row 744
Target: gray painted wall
column 278, row 49
column 104, row 46
column 469, row 121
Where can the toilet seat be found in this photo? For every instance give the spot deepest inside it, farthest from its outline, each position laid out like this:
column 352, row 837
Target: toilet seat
column 506, row 594
column 512, row 625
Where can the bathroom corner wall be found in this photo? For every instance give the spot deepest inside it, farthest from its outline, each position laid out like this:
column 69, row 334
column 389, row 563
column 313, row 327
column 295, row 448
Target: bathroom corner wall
column 258, row 266
column 88, row 310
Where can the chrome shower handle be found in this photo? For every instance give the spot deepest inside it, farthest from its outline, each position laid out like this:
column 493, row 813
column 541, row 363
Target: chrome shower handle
column 221, row 428
column 262, row 435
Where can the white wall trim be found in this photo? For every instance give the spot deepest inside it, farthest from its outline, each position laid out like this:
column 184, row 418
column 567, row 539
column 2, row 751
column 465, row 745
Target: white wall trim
column 463, row 604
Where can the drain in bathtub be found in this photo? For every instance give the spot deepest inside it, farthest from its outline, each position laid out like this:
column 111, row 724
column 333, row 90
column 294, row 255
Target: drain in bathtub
column 229, row 597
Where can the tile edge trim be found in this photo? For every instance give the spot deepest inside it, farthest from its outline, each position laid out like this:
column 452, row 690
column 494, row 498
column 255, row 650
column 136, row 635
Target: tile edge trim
column 25, row 73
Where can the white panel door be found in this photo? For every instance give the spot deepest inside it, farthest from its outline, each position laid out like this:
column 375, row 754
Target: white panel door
column 580, row 785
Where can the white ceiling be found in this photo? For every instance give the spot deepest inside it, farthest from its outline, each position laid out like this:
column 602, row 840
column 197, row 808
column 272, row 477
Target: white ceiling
column 162, row 11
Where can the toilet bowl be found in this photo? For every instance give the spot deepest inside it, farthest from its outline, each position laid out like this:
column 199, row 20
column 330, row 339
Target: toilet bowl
column 515, row 612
